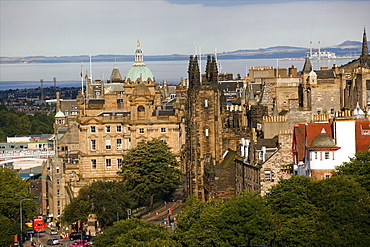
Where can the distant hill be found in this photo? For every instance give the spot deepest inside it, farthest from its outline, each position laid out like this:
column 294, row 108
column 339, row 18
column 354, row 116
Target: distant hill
column 346, row 49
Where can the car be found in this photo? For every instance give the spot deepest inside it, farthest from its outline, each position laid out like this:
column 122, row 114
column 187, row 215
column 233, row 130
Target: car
column 79, row 243
column 52, row 241
column 75, row 235
column 53, row 231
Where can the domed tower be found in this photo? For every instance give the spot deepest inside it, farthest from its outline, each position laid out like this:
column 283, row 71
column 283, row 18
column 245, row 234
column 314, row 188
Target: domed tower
column 139, row 73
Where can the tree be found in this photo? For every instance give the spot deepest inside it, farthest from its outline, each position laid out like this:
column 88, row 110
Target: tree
column 150, row 169
column 359, row 167
column 108, row 200
column 343, row 209
column 197, row 223
column 246, row 219
column 294, row 214
column 12, row 190
column 134, row 232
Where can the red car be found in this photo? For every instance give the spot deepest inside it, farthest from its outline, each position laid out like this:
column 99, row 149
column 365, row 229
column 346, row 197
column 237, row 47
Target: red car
column 79, row 243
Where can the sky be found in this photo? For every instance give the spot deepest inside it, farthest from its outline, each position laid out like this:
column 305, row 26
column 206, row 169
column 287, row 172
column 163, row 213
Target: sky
column 164, row 27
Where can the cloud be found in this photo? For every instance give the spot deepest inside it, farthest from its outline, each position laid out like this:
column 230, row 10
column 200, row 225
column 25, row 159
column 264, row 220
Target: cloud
column 57, row 28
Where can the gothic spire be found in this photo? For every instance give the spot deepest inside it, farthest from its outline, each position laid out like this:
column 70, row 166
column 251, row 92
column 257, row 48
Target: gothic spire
column 365, row 51
column 307, row 67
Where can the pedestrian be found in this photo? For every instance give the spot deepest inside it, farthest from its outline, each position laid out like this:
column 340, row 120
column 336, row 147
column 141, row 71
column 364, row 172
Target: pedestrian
column 165, row 203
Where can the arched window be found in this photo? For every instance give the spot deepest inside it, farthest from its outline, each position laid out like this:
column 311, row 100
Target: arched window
column 141, row 108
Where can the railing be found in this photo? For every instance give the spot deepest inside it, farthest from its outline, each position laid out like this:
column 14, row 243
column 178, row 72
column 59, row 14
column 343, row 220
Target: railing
column 5, row 155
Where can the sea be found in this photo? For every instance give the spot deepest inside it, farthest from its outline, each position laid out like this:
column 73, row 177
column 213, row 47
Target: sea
column 29, row 75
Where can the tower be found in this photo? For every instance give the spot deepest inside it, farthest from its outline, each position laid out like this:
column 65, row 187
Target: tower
column 204, row 130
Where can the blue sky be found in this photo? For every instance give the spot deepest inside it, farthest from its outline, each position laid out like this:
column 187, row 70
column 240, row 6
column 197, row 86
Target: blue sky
column 62, row 28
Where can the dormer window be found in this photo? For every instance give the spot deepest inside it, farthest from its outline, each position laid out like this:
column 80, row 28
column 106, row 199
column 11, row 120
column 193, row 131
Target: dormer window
column 141, row 108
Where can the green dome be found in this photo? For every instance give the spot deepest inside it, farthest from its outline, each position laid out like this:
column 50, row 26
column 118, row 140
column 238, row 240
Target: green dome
column 139, row 72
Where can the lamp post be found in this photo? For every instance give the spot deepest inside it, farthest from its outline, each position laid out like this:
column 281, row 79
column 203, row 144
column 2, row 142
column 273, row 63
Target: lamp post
column 20, row 212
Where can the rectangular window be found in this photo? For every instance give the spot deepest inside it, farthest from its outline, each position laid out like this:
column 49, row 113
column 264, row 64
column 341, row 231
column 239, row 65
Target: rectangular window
column 327, row 155
column 57, row 170
column 119, row 144
column 163, row 130
column 315, row 155
column 58, row 192
column 58, row 181
column 332, row 111
column 58, row 203
column 141, row 130
column 207, row 132
column 107, row 144
column 93, row 145
column 58, row 212
column 118, row 128
column 267, row 176
column 108, row 164
column 92, row 129
column 119, row 163
column 206, row 103
column 366, row 132
column 93, row 164
column 107, row 129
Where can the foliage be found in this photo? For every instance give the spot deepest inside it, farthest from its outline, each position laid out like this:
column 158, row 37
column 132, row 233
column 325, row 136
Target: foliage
column 12, row 190
column 105, row 199
column 134, row 232
column 14, row 123
column 343, row 208
column 359, row 167
column 150, row 169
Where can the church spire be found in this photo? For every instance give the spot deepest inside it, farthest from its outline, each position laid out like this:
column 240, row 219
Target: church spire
column 365, row 51
column 307, row 67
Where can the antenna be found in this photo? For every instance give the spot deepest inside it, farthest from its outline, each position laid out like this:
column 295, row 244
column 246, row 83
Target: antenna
column 90, row 69
column 310, row 49
column 55, row 84
column 319, row 51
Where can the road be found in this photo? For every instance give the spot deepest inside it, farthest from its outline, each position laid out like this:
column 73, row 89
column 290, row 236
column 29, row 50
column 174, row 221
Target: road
column 42, row 238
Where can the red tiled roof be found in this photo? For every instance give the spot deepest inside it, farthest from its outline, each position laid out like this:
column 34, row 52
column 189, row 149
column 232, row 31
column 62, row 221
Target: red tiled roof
column 299, row 141
column 314, row 129
column 362, row 138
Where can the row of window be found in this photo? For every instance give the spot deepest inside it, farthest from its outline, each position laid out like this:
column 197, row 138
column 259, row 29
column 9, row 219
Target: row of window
column 108, row 164
column 108, row 144
column 316, row 155
column 119, row 129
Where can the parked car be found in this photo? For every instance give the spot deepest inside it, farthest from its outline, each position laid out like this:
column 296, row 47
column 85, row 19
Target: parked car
column 52, row 241
column 75, row 235
column 53, row 231
column 79, row 243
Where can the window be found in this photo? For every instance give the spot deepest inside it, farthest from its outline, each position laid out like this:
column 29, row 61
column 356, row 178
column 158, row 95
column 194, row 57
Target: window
column 93, row 144
column 327, row 155
column 332, row 111
column 58, row 212
column 206, row 103
column 57, row 170
column 141, row 130
column 93, row 164
column 315, row 155
column 92, row 129
column 267, row 176
column 163, row 130
column 207, row 134
column 141, row 109
column 107, row 144
column 107, row 129
column 118, row 128
column 58, row 181
column 108, row 164
column 119, row 163
column 58, row 203
column 58, row 192
column 319, row 111
column 119, row 144
column 366, row 132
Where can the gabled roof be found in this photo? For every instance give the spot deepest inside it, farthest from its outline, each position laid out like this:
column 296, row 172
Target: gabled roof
column 299, row 141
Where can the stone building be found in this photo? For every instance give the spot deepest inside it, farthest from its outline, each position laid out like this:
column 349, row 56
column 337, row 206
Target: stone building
column 95, row 130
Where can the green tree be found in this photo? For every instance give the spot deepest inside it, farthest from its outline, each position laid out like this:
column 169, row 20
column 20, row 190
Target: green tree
column 197, row 223
column 246, row 219
column 294, row 214
column 108, row 200
column 12, row 190
column 134, row 232
column 359, row 167
column 343, row 207
column 150, row 169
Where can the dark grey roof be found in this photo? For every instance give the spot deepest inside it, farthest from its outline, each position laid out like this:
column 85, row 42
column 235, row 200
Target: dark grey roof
column 95, row 101
column 307, row 67
column 163, row 113
column 325, row 74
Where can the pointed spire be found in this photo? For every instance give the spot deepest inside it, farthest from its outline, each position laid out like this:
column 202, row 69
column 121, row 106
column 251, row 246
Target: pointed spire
column 365, row 51
column 307, row 67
